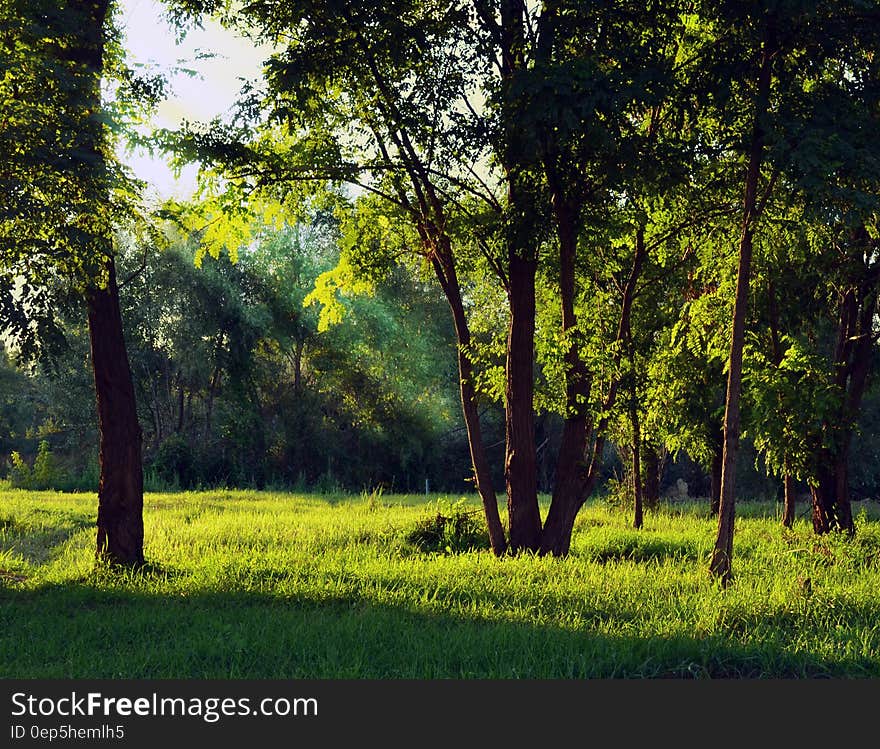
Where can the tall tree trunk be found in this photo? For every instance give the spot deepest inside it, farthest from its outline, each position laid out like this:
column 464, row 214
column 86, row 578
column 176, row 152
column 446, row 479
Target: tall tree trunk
column 444, row 268
column 715, row 478
column 120, row 490
column 789, row 500
column 565, row 506
column 120, row 534
column 722, row 554
column 571, row 473
column 636, row 464
column 832, row 509
column 520, row 460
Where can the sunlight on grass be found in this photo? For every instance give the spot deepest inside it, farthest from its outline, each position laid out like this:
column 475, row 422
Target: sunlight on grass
column 272, row 585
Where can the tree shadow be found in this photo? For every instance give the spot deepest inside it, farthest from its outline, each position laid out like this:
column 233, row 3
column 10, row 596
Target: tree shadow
column 36, row 542
column 642, row 549
column 80, row 630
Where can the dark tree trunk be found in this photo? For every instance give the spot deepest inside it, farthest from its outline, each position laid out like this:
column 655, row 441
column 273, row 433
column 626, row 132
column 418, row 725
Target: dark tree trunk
column 636, row 464
column 651, row 471
column 444, row 268
column 520, row 462
column 571, row 475
column 832, row 509
column 520, row 459
column 722, row 554
column 120, row 535
column 789, row 501
column 823, row 491
column 715, row 479
column 563, row 511
column 120, row 490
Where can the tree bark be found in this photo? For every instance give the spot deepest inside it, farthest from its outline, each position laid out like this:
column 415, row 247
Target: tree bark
column 651, row 470
column 571, row 475
column 636, row 463
column 789, row 500
column 564, row 507
column 520, row 459
column 822, row 491
column 120, row 490
column 444, row 268
column 832, row 509
column 715, row 479
column 722, row 555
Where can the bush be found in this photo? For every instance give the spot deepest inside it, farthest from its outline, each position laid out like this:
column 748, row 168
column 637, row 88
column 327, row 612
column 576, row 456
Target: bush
column 174, row 464
column 451, row 529
column 20, row 475
column 45, row 474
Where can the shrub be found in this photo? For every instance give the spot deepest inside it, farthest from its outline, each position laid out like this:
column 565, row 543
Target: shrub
column 45, row 473
column 174, row 464
column 451, row 529
column 20, row 474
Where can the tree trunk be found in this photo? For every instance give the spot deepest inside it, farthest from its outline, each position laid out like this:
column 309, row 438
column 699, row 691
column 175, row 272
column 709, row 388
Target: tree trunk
column 520, row 460
column 715, row 479
column 636, row 464
column 120, row 536
column 789, row 502
column 651, row 471
column 571, row 475
column 832, row 509
column 823, row 490
column 120, row 490
column 722, row 554
column 444, row 268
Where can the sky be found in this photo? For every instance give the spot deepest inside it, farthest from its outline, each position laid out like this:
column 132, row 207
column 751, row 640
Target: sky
column 150, row 41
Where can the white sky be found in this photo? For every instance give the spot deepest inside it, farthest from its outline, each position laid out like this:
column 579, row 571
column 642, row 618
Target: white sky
column 150, row 41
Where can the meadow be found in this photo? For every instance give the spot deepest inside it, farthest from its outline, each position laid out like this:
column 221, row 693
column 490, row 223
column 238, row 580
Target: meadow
column 246, row 584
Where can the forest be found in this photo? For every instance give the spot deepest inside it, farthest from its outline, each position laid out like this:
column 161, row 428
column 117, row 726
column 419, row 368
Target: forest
column 569, row 261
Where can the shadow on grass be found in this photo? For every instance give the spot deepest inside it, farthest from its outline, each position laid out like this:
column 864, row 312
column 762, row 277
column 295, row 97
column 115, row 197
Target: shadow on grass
column 77, row 630
column 35, row 542
column 642, row 549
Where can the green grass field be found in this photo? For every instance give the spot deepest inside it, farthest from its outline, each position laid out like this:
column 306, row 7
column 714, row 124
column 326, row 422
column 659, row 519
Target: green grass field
column 248, row 584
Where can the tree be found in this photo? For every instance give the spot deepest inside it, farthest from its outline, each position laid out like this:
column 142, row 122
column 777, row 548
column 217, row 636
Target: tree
column 63, row 193
column 404, row 100
column 372, row 87
column 790, row 66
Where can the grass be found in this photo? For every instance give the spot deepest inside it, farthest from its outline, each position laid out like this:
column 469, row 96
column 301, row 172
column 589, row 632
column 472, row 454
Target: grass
column 245, row 584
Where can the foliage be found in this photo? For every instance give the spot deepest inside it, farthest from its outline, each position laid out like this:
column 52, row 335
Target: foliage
column 20, row 474
column 44, row 473
column 452, row 528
